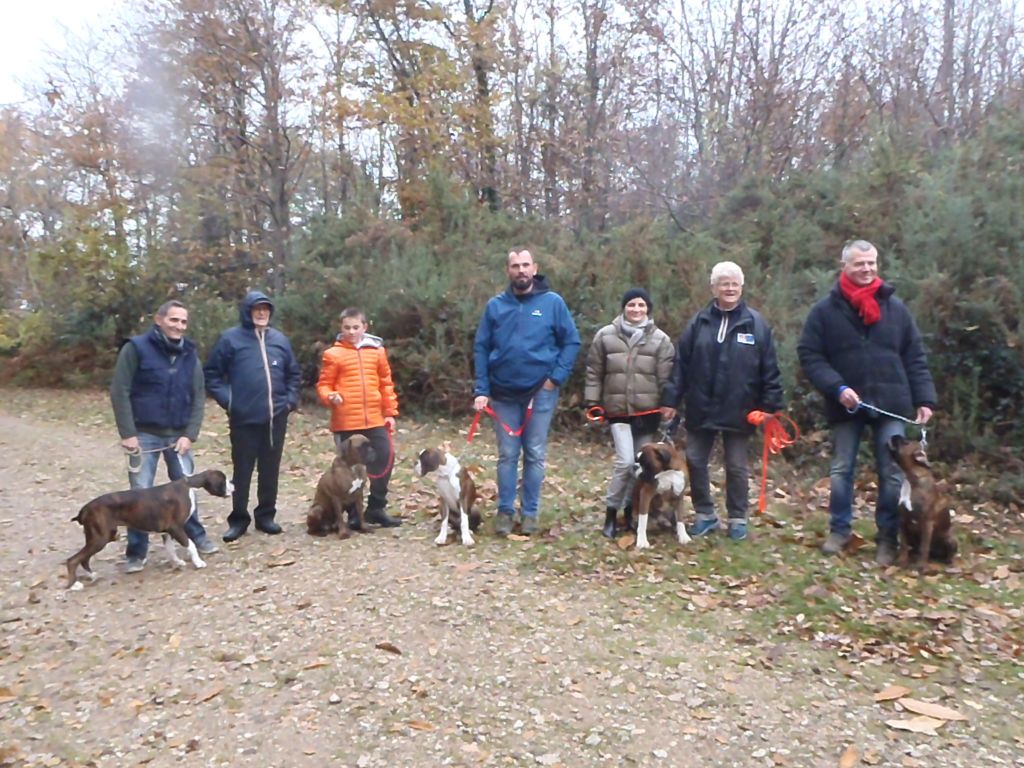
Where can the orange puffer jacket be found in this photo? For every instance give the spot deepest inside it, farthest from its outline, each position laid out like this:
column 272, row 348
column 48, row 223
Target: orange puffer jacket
column 363, row 379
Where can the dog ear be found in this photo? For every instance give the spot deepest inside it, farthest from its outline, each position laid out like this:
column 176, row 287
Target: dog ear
column 665, row 457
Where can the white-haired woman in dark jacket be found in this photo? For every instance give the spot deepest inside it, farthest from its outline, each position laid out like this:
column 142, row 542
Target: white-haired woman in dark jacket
column 629, row 362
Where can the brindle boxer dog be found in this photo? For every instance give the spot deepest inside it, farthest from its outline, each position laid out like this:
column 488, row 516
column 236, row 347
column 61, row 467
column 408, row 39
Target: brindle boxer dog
column 659, row 489
column 457, row 490
column 341, row 489
column 925, row 520
column 160, row 509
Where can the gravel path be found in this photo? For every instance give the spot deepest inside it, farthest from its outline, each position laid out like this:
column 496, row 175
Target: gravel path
column 388, row 651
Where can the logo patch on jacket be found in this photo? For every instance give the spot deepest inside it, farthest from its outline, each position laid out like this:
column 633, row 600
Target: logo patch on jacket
column 745, row 338
column 537, row 313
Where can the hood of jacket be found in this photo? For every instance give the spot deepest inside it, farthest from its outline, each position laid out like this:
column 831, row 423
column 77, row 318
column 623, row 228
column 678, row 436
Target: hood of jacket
column 245, row 306
column 368, row 340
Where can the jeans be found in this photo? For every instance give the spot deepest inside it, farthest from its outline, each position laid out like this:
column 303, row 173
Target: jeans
column 380, row 441
column 177, row 467
column 699, row 443
column 254, row 447
column 533, row 444
column 620, row 487
column 845, row 444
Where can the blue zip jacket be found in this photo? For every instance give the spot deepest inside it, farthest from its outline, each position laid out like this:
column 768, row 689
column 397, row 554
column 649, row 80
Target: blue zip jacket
column 236, row 376
column 523, row 340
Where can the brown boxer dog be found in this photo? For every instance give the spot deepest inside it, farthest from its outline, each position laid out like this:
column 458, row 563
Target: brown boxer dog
column 925, row 519
column 160, row 509
column 341, row 488
column 660, row 482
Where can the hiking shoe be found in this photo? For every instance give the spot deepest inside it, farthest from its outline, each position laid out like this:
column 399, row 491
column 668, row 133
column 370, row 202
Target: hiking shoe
column 885, row 553
column 205, row 546
column 835, row 543
column 503, row 524
column 704, row 527
column 378, row 516
column 528, row 526
column 738, row 530
column 134, row 564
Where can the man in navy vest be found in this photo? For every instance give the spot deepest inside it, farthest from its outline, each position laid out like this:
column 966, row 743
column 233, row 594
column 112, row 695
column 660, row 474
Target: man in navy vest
column 158, row 396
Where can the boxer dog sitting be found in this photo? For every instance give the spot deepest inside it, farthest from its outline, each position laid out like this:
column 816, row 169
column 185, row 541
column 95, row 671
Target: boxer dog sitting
column 659, row 489
column 160, row 509
column 456, row 489
column 340, row 490
column 925, row 519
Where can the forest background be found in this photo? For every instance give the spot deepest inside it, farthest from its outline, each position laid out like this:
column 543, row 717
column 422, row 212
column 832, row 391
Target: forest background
column 388, row 154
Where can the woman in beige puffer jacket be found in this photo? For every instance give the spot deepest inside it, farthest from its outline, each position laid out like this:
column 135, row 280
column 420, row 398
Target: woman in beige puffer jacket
column 629, row 362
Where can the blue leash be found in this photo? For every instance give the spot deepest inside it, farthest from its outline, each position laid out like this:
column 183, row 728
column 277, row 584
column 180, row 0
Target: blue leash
column 883, row 412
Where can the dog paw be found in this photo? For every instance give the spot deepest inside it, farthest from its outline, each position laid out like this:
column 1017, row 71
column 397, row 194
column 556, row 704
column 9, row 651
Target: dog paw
column 441, row 541
column 177, row 564
column 92, row 575
column 76, row 587
column 645, row 544
column 468, row 540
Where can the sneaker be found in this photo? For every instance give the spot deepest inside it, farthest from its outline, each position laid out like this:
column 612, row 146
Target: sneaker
column 205, row 546
column 738, row 530
column 704, row 526
column 503, row 524
column 885, row 553
column 529, row 526
column 835, row 543
column 134, row 564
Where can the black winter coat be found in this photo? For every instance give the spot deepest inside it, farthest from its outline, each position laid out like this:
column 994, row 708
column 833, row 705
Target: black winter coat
column 884, row 363
column 721, row 382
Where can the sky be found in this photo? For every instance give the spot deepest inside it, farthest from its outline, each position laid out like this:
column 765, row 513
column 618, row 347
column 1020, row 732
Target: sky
column 29, row 28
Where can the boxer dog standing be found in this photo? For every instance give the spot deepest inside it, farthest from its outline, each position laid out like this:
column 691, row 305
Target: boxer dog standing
column 456, row 489
column 340, row 489
column 160, row 509
column 925, row 519
column 658, row 490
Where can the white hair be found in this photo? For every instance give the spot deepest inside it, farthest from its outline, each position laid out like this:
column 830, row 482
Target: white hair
column 861, row 246
column 726, row 269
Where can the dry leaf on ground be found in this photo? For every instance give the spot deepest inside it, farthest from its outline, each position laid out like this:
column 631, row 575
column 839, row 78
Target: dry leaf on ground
column 928, row 709
column 849, row 758
column 920, row 724
column 892, row 692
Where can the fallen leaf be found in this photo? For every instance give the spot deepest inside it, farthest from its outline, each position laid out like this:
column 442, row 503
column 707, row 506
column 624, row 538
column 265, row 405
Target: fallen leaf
column 517, row 537
column 1001, row 572
column 210, row 692
column 280, row 563
column 849, row 757
column 936, row 711
column 625, row 542
column 891, row 692
column 421, row 725
column 317, row 664
column 389, row 647
column 920, row 724
column 462, row 568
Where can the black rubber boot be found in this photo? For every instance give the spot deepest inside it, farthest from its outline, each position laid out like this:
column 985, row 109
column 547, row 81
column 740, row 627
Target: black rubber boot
column 609, row 523
column 627, row 516
column 381, row 518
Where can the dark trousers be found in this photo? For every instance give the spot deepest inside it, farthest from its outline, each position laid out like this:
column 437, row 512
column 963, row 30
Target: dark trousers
column 699, row 443
column 253, row 446
column 383, row 460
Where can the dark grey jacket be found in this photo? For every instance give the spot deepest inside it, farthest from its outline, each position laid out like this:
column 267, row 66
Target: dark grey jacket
column 884, row 363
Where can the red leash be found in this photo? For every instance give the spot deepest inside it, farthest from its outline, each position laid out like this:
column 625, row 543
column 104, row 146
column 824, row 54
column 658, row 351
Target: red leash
column 490, row 412
column 391, row 458
column 596, row 414
column 776, row 437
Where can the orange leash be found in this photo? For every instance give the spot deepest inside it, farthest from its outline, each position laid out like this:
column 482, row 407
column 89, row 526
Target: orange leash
column 776, row 437
column 490, row 412
column 596, row 414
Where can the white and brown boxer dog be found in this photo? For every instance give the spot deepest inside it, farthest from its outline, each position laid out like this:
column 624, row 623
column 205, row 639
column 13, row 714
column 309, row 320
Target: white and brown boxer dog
column 340, row 489
column 160, row 509
column 658, row 490
column 456, row 489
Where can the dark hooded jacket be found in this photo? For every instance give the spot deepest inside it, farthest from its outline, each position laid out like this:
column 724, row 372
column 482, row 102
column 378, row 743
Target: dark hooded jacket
column 884, row 363
column 237, row 374
column 721, row 382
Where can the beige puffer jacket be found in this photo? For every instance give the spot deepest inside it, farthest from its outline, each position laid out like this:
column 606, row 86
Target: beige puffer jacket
column 626, row 377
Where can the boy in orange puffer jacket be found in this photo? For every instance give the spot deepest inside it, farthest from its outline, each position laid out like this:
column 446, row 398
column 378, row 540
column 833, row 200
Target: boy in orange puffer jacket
column 355, row 383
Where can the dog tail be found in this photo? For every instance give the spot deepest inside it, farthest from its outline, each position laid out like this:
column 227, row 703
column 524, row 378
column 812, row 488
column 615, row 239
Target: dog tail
column 80, row 517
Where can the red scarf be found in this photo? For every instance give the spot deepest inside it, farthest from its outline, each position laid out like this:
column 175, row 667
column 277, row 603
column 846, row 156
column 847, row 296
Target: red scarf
column 862, row 298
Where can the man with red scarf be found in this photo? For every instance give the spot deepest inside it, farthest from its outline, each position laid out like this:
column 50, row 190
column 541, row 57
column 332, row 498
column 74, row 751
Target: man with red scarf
column 860, row 344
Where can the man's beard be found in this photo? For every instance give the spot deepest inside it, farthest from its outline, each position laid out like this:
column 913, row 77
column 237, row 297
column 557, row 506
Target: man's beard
column 522, row 283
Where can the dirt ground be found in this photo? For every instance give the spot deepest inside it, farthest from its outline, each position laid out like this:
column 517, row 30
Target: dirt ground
column 389, row 651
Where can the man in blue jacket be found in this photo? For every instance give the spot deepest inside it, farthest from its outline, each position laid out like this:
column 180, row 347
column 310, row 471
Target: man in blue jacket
column 860, row 345
column 524, row 350
column 252, row 373
column 158, row 399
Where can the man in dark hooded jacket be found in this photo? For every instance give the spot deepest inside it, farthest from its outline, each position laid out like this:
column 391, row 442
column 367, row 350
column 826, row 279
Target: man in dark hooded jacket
column 252, row 373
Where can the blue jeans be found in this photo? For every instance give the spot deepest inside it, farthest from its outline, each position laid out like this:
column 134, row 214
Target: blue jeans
column 845, row 444
column 177, row 467
column 533, row 444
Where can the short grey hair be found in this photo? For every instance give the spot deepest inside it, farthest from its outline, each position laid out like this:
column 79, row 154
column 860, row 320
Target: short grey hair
column 861, row 246
column 726, row 269
column 167, row 306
